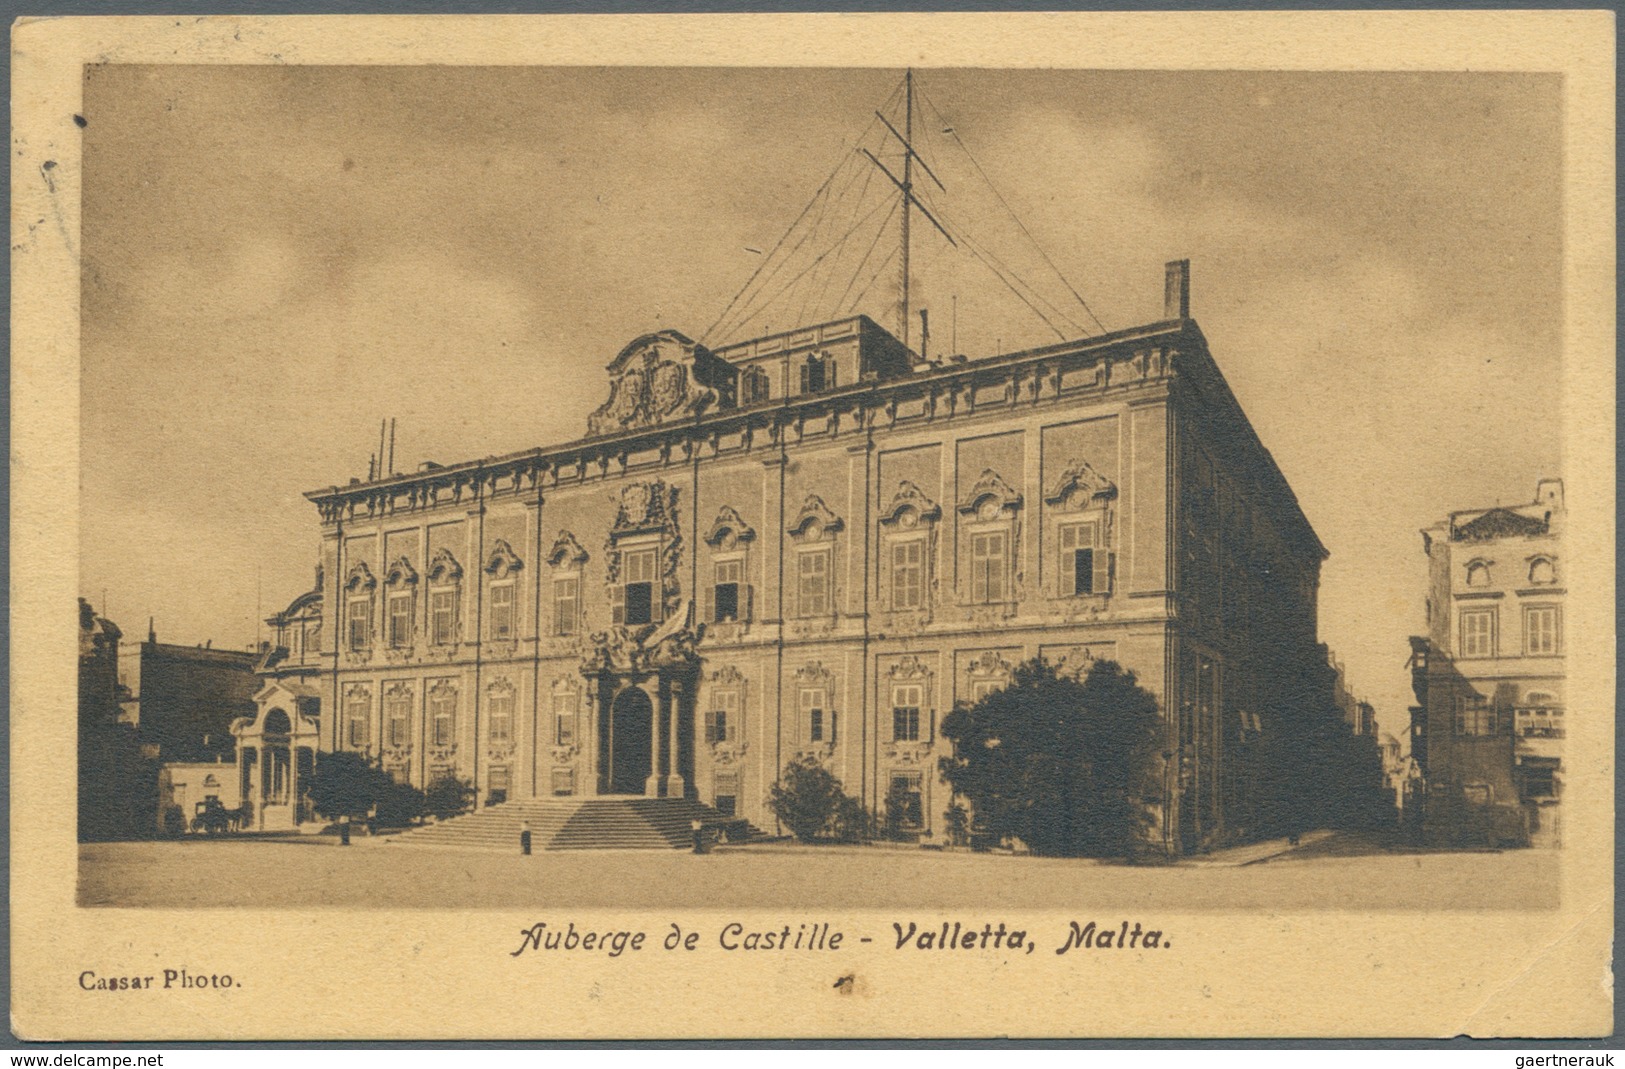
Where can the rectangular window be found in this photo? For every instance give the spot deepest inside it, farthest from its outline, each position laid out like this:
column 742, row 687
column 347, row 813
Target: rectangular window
column 1475, row 717
column 818, row 720
column 1539, row 781
column 726, row 793
column 313, row 638
column 981, row 688
column 398, row 715
column 500, row 707
column 1542, row 630
column 987, row 567
column 638, row 604
column 360, row 622
column 443, row 617
column 502, row 620
column 905, row 713
column 564, row 781
column 498, row 785
column 905, row 797
column 443, row 715
column 908, row 574
column 722, row 721
column 566, row 604
column 564, row 719
column 360, row 706
column 812, row 582
column 1085, row 565
column 400, row 619
column 1478, row 633
column 725, row 594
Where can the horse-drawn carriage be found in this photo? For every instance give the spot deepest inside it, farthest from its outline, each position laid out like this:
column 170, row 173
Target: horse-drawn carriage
column 212, row 818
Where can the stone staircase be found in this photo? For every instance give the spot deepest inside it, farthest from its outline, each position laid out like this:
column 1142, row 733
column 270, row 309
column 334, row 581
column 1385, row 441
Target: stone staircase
column 572, row 824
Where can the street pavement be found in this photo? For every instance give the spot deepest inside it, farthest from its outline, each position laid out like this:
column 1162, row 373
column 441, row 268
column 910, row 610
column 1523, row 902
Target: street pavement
column 1324, row 872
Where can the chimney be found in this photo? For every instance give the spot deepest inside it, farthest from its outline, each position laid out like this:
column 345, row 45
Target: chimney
column 925, row 333
column 1176, row 295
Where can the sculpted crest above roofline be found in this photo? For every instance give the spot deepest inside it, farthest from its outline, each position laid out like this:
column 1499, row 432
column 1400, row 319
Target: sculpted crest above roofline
column 662, row 377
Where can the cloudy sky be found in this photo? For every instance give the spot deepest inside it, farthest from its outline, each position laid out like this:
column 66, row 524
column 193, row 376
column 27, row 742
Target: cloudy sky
column 277, row 257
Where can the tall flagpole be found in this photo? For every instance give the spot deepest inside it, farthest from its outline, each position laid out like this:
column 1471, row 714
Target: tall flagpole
column 908, row 183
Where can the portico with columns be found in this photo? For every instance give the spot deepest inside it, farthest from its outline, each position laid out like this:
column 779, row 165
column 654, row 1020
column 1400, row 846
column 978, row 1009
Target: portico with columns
column 276, row 754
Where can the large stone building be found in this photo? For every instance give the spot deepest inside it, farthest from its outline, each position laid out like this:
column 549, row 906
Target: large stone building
column 812, row 543
column 1488, row 729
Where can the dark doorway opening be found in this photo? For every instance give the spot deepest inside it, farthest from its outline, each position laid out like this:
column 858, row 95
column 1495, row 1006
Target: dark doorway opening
column 629, row 752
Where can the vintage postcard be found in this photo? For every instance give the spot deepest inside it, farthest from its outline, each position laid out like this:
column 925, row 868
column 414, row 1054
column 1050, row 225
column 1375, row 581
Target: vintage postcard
column 813, row 526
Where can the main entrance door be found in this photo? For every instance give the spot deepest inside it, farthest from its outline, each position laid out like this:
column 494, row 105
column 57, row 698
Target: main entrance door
column 628, row 753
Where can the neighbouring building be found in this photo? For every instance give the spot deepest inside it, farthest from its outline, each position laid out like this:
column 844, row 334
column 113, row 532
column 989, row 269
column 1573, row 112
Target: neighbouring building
column 115, row 782
column 1488, row 729
column 182, row 700
column 813, row 544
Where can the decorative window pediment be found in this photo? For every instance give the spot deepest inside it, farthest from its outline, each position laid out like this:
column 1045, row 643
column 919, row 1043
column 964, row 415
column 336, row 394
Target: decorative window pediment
column 566, row 550
column 815, row 520
column 990, row 496
column 990, row 665
column 909, row 506
column 401, row 573
column 444, row 568
column 360, row 578
column 908, row 668
column 728, row 527
column 1081, row 486
column 1542, row 570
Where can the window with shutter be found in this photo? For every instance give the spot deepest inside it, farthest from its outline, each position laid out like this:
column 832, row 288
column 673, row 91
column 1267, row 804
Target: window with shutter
column 566, row 604
column 906, row 703
column 1085, row 566
column 360, row 708
column 400, row 619
column 360, row 622
column 640, row 602
column 988, row 567
column 442, row 617
column 908, row 574
column 502, row 615
column 725, row 592
column 500, row 708
column 564, row 719
column 813, row 582
column 398, row 714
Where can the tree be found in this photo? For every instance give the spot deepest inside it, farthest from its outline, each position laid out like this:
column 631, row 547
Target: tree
column 1065, row 765
column 448, row 796
column 811, row 802
column 347, row 784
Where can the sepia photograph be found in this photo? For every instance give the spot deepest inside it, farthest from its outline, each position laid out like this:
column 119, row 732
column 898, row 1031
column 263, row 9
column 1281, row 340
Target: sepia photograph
column 821, row 512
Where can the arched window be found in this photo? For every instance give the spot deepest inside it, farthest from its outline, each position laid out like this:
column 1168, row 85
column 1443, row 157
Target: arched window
column 1542, row 571
column 1478, row 573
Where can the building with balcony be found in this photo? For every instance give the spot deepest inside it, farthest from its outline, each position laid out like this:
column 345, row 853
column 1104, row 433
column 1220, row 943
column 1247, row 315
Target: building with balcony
column 1488, row 729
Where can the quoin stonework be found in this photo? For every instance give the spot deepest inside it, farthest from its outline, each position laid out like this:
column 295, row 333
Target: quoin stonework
column 812, row 543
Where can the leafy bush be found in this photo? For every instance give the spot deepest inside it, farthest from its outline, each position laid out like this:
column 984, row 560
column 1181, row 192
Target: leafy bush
column 448, row 796
column 811, row 802
column 174, row 822
column 347, row 784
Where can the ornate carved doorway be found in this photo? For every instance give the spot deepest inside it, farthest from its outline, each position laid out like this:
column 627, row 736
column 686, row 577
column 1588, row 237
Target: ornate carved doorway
column 627, row 758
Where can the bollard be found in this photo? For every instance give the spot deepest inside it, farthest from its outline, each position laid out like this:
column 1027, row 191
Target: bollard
column 524, row 837
column 699, row 836
column 344, row 830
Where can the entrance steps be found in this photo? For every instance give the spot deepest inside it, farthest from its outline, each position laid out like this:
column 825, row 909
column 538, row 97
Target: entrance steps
column 572, row 824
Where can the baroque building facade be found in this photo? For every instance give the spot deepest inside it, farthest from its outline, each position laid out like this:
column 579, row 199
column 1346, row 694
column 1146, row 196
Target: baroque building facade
column 1489, row 727
column 813, row 544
